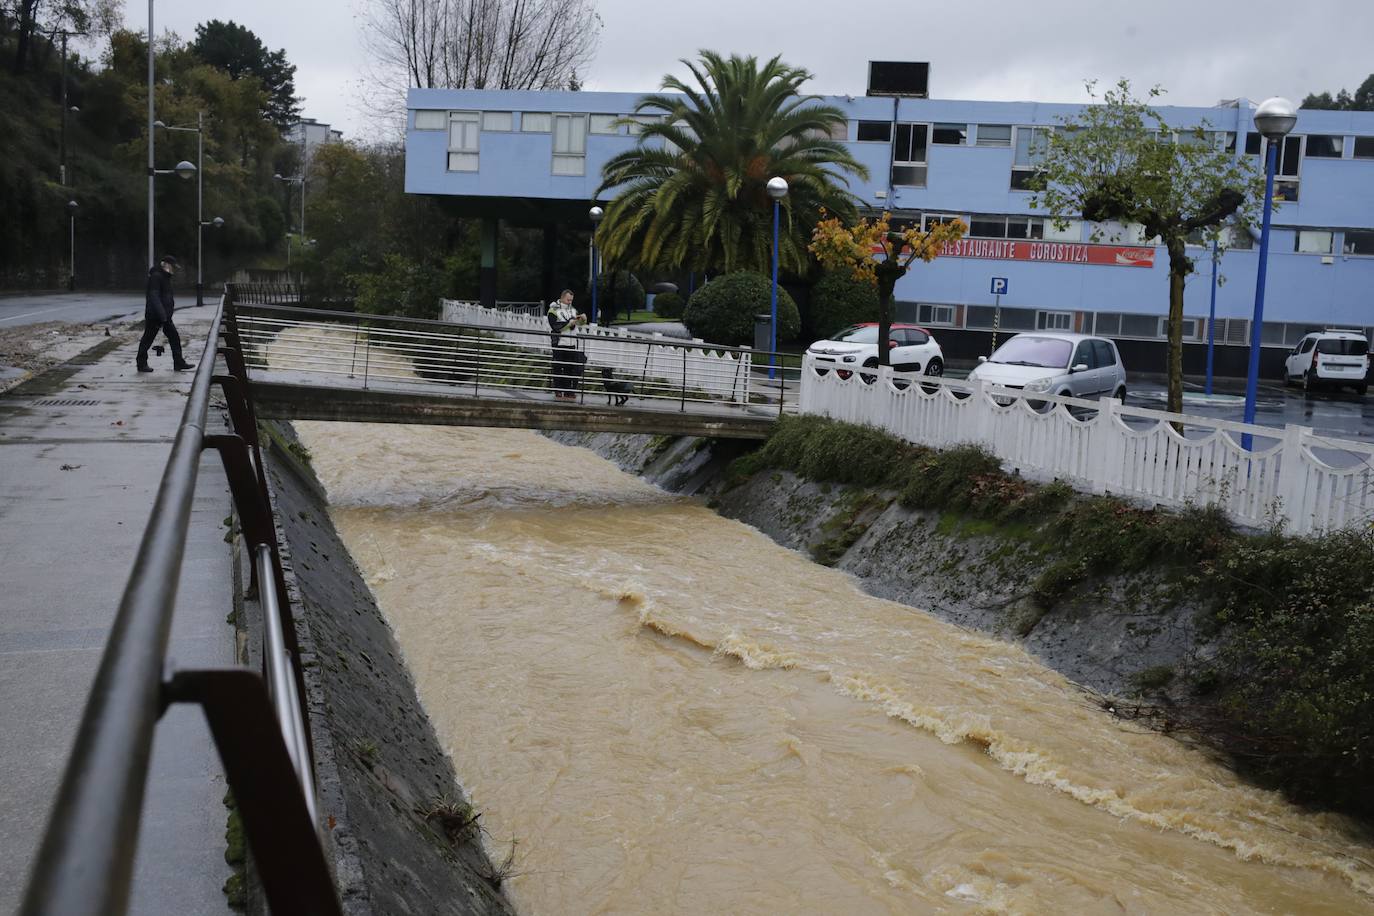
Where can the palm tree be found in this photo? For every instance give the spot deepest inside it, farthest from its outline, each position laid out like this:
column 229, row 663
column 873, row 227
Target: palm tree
column 691, row 194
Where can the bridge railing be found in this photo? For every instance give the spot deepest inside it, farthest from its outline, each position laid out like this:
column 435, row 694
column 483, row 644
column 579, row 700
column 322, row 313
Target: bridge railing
column 514, row 360
column 86, row 860
column 1312, row 483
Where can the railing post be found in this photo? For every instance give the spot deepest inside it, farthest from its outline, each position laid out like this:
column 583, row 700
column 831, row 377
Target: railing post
column 682, row 405
column 1291, row 486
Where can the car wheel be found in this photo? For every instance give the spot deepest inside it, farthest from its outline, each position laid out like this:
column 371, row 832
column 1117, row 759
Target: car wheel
column 1120, row 393
column 1309, row 384
column 935, row 369
column 1361, row 389
column 869, row 378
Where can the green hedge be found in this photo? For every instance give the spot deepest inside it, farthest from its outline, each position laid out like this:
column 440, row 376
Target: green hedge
column 838, row 301
column 669, row 305
column 722, row 311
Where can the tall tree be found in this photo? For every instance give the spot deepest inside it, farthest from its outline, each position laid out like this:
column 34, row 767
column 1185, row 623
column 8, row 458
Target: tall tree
column 855, row 249
column 1362, row 100
column 477, row 44
column 1119, row 161
column 53, row 16
column 234, row 49
column 692, row 192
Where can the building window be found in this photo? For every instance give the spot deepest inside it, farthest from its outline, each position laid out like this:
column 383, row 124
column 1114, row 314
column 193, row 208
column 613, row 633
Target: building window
column 1325, row 146
column 1107, row 324
column 569, row 144
column 1146, row 326
column 930, row 220
column 431, row 120
column 639, row 122
column 604, row 124
column 1072, row 231
column 497, row 120
column 1364, row 147
column 464, row 129
column 1006, row 227
column 1287, row 172
column 993, row 135
column 875, row 132
column 934, row 314
column 536, row 122
column 1031, row 146
column 909, row 155
column 1358, row 241
column 1313, row 241
column 1238, row 237
column 1189, row 328
column 949, row 134
column 1054, row 321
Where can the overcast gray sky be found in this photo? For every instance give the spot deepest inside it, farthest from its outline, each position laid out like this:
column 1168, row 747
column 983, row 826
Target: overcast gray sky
column 1199, row 50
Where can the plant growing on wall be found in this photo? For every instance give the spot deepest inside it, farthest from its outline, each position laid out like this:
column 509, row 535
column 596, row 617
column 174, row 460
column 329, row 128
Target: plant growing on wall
column 1120, row 161
column 856, row 248
column 692, row 193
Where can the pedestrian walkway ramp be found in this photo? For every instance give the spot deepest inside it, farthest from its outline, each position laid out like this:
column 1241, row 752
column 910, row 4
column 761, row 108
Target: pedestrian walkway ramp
column 307, row 364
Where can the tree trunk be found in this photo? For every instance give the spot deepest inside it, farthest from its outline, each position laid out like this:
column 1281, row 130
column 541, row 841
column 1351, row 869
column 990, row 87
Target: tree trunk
column 888, row 272
column 1180, row 265
column 24, row 36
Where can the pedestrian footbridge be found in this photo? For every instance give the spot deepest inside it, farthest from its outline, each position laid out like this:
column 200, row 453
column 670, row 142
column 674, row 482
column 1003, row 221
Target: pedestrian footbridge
column 499, row 370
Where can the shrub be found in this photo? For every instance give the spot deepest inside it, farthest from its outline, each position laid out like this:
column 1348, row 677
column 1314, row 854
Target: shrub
column 401, row 287
column 838, row 301
column 669, row 305
column 827, row 451
column 722, row 311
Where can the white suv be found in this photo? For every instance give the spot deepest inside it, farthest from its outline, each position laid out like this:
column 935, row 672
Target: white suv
column 912, row 349
column 1331, row 357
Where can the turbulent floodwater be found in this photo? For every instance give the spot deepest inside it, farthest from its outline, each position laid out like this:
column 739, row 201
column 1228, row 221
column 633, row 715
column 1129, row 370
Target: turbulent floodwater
column 671, row 714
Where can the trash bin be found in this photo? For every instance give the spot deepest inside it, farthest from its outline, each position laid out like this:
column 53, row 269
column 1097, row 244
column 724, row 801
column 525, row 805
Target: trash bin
column 763, row 326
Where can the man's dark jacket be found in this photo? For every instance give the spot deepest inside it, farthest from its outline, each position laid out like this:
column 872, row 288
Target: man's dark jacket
column 159, row 304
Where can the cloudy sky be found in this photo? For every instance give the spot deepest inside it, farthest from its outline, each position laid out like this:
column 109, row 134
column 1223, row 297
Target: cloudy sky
column 1199, row 50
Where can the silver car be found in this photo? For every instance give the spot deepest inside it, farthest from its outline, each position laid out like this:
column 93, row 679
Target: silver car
column 1053, row 362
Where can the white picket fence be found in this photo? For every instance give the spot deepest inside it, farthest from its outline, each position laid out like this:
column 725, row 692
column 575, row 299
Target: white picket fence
column 1291, row 476
column 724, row 372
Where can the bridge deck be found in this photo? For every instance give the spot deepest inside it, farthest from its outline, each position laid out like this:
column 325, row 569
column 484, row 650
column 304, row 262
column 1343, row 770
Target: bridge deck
column 290, row 394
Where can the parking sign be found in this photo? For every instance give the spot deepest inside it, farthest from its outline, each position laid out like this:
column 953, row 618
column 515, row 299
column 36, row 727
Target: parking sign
column 999, row 286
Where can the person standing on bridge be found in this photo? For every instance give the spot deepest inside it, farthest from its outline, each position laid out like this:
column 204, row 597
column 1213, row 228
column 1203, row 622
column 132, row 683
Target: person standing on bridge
column 567, row 360
column 157, row 315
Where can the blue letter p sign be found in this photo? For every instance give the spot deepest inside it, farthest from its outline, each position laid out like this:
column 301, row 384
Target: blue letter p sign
column 999, row 286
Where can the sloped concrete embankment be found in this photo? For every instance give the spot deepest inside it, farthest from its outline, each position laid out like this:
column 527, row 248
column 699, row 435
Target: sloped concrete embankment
column 393, row 807
column 1113, row 635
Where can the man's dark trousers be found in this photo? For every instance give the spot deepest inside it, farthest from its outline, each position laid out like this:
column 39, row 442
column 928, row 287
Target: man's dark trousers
column 150, row 329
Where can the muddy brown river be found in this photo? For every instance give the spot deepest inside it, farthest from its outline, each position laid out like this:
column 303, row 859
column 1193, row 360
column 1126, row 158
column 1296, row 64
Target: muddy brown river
column 668, row 713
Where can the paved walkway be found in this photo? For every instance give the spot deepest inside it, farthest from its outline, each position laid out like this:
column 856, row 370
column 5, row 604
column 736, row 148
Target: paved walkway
column 82, row 450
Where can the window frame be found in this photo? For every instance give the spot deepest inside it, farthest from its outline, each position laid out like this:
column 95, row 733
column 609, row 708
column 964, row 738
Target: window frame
column 1044, row 316
column 524, row 122
column 1347, row 249
column 948, row 126
column 498, row 130
column 568, row 157
column 1300, row 232
column 473, row 118
column 932, row 311
column 996, row 143
column 1030, row 169
column 441, row 112
column 591, row 125
column 1339, row 146
column 1362, row 147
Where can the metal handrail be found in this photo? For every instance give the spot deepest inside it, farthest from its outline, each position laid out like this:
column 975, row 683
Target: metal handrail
column 86, row 861
column 447, row 353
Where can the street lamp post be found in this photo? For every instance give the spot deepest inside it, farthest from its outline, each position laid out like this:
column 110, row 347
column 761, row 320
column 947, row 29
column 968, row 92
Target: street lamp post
column 596, row 213
column 300, row 180
column 152, row 168
column 72, row 207
column 777, row 189
column 1212, row 315
column 1274, row 119
column 199, row 131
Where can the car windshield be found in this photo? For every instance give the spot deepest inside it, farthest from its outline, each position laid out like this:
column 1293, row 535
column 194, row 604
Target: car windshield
column 1048, row 352
column 1336, row 346
column 860, row 333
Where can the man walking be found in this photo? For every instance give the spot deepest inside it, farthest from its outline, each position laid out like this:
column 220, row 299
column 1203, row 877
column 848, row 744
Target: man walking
column 157, row 315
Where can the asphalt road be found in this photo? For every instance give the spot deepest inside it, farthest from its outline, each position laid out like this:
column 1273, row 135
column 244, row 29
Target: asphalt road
column 84, row 308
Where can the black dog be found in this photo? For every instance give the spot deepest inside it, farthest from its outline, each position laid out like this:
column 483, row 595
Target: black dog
column 616, row 390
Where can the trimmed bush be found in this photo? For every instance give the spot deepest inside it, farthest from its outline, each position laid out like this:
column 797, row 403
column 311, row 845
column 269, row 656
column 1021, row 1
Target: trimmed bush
column 722, row 311
column 838, row 301
column 669, row 305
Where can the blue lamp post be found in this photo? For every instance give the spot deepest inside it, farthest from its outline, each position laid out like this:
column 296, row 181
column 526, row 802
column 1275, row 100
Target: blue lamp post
column 595, row 213
column 1273, row 119
column 1212, row 315
column 777, row 189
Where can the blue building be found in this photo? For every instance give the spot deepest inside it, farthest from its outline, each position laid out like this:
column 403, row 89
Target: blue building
column 536, row 158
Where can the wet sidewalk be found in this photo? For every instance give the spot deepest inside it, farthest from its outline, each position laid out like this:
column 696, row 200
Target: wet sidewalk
column 82, row 450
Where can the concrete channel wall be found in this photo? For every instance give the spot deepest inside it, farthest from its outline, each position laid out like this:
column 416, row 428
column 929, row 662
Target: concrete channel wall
column 384, row 780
